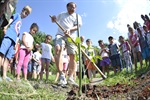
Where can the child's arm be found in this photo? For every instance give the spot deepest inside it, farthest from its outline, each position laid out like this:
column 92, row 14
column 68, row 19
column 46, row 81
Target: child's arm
column 25, row 43
column 106, row 50
column 101, row 52
column 137, row 40
column 30, row 48
column 5, row 28
column 51, row 55
column 129, row 46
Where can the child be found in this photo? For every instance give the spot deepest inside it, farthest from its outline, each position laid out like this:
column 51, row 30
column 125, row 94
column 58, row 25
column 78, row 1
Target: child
column 25, row 50
column 104, row 53
column 135, row 46
column 91, row 53
column 30, row 66
column 143, row 45
column 114, row 55
column 47, row 56
column 147, row 34
column 10, row 38
column 65, row 61
column 36, row 63
column 65, row 64
column 126, row 49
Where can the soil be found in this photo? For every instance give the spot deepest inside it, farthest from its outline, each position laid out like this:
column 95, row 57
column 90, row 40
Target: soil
column 139, row 91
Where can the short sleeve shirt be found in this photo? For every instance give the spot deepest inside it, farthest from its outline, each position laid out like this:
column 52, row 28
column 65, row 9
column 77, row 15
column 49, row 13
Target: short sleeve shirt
column 113, row 48
column 46, row 50
column 28, row 39
column 14, row 28
column 67, row 21
column 148, row 38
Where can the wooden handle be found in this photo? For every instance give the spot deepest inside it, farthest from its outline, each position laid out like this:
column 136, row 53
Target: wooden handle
column 103, row 76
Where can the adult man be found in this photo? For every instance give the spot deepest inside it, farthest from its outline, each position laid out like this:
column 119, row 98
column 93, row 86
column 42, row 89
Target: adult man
column 68, row 21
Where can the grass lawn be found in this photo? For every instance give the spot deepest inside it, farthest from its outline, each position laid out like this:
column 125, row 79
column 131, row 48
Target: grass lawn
column 33, row 90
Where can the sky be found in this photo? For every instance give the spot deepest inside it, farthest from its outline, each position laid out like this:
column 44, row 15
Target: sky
column 100, row 18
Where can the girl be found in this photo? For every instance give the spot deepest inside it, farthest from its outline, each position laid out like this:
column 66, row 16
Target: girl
column 143, row 45
column 134, row 41
column 25, row 50
column 104, row 53
column 47, row 56
column 126, row 49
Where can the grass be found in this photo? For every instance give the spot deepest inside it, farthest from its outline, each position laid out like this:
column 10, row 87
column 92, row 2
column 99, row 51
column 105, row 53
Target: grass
column 24, row 90
column 123, row 77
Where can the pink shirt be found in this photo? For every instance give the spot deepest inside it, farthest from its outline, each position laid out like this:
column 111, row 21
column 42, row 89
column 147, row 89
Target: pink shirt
column 133, row 38
column 125, row 46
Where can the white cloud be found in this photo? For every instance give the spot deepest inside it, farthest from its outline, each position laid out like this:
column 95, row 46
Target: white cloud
column 130, row 12
column 83, row 15
column 110, row 25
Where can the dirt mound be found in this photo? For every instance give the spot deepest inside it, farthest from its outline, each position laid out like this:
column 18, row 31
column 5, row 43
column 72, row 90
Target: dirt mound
column 139, row 91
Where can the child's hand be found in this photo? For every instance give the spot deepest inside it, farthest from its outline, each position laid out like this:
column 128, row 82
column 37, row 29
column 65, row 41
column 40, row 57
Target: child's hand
column 16, row 61
column 39, row 62
column 4, row 30
column 29, row 49
column 105, row 50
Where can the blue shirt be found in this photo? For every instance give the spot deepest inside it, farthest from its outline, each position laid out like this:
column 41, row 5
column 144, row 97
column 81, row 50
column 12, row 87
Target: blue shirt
column 142, row 41
column 14, row 28
column 113, row 49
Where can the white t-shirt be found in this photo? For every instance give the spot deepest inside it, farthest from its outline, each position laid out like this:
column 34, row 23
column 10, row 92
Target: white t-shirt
column 46, row 50
column 104, row 54
column 37, row 56
column 67, row 21
column 28, row 39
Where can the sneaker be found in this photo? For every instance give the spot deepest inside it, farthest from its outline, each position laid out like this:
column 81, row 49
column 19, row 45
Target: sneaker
column 18, row 80
column 41, row 82
column 1, row 79
column 8, row 79
column 72, row 82
column 62, row 80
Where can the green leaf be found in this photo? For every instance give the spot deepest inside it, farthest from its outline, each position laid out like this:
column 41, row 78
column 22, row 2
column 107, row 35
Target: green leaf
column 83, row 47
column 96, row 49
column 69, row 40
column 98, row 57
column 94, row 59
column 77, row 40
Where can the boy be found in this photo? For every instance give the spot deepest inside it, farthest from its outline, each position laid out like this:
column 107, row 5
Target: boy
column 114, row 54
column 36, row 63
column 10, row 38
column 91, row 53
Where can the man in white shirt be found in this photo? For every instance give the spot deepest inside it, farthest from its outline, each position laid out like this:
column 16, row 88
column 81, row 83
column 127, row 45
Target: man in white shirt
column 68, row 21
